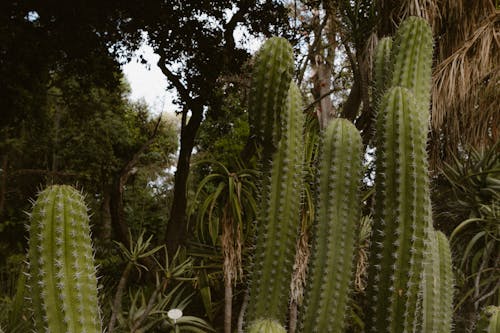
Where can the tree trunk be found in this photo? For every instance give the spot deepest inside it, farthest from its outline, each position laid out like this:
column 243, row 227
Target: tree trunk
column 3, row 184
column 176, row 228
column 106, row 225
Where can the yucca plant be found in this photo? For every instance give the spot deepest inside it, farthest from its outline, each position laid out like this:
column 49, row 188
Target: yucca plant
column 226, row 212
column 467, row 198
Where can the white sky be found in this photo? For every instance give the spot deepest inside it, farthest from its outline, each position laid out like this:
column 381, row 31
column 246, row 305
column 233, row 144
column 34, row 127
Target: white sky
column 148, row 82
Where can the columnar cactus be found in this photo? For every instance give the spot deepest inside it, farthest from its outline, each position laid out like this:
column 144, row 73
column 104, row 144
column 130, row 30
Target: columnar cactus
column 61, row 266
column 266, row 326
column 382, row 68
column 331, row 266
column 402, row 197
column 278, row 219
column 437, row 298
column 411, row 60
column 401, row 213
column 271, row 77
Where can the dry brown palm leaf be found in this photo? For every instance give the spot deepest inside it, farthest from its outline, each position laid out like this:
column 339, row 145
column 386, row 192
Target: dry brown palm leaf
column 465, row 90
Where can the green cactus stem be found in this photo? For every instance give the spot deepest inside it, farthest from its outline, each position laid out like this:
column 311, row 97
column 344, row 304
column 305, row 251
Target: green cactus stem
column 266, row 326
column 437, row 285
column 489, row 321
column 412, row 60
column 331, row 267
column 278, row 219
column 382, row 65
column 402, row 214
column 271, row 77
column 61, row 265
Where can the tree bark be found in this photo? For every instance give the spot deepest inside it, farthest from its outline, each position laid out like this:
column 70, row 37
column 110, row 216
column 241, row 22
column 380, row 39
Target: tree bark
column 176, row 228
column 3, row 184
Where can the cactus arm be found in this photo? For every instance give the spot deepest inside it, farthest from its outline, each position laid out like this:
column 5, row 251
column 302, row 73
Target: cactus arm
column 437, row 285
column 278, row 219
column 266, row 326
column 382, row 68
column 402, row 213
column 271, row 77
column 62, row 273
column 412, row 60
column 338, row 210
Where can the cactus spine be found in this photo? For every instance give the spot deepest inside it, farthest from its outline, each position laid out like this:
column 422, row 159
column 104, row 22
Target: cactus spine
column 330, row 272
column 402, row 196
column 62, row 272
column 437, row 285
column 278, row 219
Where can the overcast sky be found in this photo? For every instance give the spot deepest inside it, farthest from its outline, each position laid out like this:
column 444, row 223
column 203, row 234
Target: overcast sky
column 148, row 82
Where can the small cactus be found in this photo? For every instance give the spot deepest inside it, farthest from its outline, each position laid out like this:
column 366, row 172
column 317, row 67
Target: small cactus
column 331, row 267
column 266, row 326
column 437, row 307
column 62, row 274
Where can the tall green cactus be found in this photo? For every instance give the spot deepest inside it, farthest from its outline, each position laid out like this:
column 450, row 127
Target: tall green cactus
column 331, row 266
column 382, row 68
column 278, row 219
column 437, row 307
column 271, row 77
column 402, row 196
column 61, row 265
column 401, row 214
column 411, row 60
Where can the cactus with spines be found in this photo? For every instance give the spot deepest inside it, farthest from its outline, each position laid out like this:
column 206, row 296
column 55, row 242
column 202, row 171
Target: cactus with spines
column 381, row 68
column 278, row 218
column 62, row 274
column 402, row 196
column 489, row 322
column 437, row 286
column 266, row 326
column 271, row 78
column 331, row 266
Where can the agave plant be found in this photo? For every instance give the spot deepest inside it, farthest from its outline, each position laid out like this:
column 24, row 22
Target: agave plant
column 469, row 197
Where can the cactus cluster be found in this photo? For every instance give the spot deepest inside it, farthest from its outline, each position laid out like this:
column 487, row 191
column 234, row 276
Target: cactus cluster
column 410, row 280
column 62, row 274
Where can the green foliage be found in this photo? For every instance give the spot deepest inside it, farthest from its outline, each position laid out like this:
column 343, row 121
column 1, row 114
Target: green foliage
column 63, row 284
column 469, row 193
